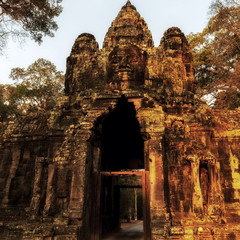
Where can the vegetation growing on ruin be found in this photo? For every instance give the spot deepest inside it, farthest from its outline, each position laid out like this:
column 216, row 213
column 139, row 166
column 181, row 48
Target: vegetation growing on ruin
column 217, row 55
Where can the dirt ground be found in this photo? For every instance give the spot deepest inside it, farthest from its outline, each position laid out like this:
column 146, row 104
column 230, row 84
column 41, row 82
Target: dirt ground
column 128, row 231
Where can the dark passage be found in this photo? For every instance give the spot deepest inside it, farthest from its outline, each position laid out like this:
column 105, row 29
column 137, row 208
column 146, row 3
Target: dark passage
column 122, row 207
column 121, row 141
column 122, row 149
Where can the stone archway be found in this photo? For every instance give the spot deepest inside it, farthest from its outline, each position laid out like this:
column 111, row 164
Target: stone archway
column 120, row 153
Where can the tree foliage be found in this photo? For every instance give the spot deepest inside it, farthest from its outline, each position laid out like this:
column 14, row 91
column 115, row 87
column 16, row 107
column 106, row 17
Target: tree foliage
column 36, row 88
column 4, row 108
column 19, row 18
column 217, row 54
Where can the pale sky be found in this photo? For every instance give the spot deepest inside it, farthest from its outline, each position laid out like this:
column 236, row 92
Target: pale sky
column 95, row 17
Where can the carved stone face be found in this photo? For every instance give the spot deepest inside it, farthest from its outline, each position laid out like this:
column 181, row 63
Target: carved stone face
column 85, row 42
column 126, row 67
column 174, row 39
column 176, row 43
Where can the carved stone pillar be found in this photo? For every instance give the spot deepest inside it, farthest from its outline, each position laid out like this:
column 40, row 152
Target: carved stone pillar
column 36, row 196
column 16, row 154
column 197, row 193
column 50, row 190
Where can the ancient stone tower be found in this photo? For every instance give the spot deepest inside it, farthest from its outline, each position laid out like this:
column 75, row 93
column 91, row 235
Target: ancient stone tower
column 129, row 110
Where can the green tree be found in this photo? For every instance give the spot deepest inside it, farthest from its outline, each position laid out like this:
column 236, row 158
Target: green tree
column 4, row 108
column 217, row 54
column 20, row 18
column 36, row 88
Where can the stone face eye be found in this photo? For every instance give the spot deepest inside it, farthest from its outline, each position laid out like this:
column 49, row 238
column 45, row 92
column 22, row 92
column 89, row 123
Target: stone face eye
column 114, row 59
column 133, row 59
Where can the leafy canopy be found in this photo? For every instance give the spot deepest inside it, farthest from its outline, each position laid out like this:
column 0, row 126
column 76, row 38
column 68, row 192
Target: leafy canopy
column 19, row 18
column 217, row 54
column 36, row 88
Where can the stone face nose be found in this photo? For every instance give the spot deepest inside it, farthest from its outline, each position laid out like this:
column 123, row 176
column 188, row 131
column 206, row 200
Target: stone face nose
column 124, row 63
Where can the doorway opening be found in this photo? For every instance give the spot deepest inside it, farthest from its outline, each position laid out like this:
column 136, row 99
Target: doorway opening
column 122, row 207
column 122, row 179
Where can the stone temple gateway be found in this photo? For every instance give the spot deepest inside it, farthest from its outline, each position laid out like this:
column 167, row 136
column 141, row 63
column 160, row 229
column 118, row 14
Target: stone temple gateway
column 129, row 109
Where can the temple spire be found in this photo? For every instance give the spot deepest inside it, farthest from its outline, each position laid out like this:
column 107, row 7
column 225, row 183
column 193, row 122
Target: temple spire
column 128, row 28
column 128, row 2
